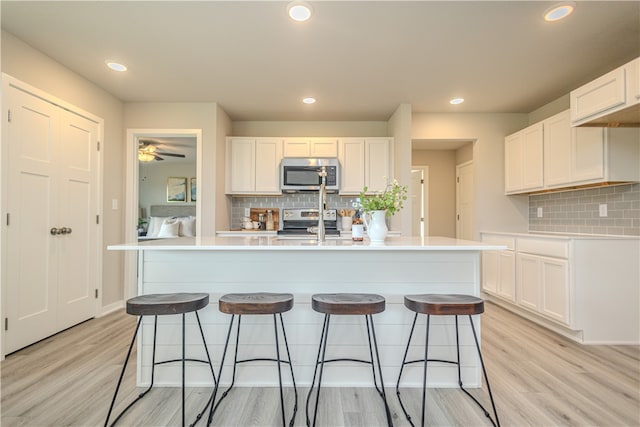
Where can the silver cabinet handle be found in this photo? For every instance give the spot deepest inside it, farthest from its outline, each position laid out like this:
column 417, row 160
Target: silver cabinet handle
column 65, row 230
column 55, row 231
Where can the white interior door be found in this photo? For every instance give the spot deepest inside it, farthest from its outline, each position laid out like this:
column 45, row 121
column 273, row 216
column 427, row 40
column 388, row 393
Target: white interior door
column 464, row 201
column 52, row 183
column 419, row 201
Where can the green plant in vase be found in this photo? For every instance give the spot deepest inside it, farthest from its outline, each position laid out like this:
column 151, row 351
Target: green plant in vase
column 389, row 200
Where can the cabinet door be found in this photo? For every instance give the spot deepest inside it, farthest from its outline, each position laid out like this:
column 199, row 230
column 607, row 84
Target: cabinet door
column 588, row 154
column 242, row 165
column 599, row 96
column 528, row 294
column 532, row 157
column 636, row 92
column 268, row 154
column 324, row 148
column 377, row 166
column 297, row 147
column 351, row 157
column 506, row 286
column 555, row 289
column 557, row 150
column 513, row 162
column 490, row 271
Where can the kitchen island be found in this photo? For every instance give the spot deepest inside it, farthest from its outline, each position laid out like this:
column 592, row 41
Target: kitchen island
column 399, row 266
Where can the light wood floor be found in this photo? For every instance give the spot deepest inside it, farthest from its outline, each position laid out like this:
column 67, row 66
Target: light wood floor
column 538, row 379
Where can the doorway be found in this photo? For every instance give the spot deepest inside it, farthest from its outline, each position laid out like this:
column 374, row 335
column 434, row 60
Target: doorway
column 164, row 147
column 419, row 200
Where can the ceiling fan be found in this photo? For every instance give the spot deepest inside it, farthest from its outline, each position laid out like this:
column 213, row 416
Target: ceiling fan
column 148, row 151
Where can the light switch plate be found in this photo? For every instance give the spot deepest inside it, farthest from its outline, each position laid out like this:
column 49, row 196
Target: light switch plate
column 540, row 212
column 114, row 204
column 602, row 210
column 247, row 211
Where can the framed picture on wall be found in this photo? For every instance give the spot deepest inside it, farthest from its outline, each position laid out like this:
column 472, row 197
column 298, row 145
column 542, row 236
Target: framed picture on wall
column 193, row 194
column 176, row 189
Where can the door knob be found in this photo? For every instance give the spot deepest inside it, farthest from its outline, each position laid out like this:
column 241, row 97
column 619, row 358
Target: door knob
column 65, row 230
column 55, row 231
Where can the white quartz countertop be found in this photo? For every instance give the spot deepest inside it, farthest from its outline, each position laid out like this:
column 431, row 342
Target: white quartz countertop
column 564, row 236
column 244, row 243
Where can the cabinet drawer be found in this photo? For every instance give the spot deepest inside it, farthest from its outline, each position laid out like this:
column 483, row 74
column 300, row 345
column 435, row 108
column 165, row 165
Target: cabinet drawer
column 509, row 242
column 544, row 247
column 602, row 94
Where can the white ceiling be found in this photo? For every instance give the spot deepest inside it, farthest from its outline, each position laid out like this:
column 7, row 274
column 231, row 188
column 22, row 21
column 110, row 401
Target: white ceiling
column 361, row 59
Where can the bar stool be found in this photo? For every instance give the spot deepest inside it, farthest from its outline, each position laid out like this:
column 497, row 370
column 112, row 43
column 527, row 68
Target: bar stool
column 160, row 305
column 347, row 304
column 444, row 305
column 250, row 304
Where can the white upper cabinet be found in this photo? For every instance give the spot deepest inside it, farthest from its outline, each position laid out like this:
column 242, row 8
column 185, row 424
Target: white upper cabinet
column 571, row 156
column 603, row 100
column 365, row 162
column 310, row 147
column 253, row 165
column 524, row 160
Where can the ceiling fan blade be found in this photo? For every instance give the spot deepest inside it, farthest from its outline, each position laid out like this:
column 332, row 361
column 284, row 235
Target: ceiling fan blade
column 157, row 157
column 170, row 154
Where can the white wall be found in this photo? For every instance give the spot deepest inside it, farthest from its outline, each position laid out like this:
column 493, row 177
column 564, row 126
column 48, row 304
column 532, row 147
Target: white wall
column 31, row 66
column 492, row 209
column 308, row 128
column 187, row 115
column 399, row 127
column 222, row 202
column 152, row 187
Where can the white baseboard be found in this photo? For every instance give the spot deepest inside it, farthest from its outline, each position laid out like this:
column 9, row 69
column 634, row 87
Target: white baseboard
column 111, row 308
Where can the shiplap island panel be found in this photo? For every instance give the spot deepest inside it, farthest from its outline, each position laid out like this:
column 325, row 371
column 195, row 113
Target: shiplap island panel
column 400, row 266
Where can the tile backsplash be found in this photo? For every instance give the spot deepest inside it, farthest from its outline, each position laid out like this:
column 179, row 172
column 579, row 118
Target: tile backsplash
column 578, row 211
column 297, row 200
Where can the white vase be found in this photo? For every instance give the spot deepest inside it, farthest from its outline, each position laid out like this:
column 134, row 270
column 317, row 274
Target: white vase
column 376, row 225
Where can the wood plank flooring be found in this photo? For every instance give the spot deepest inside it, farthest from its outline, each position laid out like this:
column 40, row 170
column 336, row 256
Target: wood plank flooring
column 538, row 379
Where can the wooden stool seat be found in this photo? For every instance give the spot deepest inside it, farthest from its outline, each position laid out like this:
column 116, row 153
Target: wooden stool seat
column 443, row 304
column 255, row 303
column 163, row 304
column 363, row 304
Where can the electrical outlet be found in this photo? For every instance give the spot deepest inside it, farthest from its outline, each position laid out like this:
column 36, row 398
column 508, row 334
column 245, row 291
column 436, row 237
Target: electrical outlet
column 602, row 210
column 540, row 212
column 114, row 204
column 247, row 211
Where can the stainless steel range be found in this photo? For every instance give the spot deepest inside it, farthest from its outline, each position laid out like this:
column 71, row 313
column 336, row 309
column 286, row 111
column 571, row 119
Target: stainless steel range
column 300, row 221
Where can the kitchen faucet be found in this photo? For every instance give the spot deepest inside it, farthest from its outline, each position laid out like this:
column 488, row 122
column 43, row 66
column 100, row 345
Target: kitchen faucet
column 322, row 201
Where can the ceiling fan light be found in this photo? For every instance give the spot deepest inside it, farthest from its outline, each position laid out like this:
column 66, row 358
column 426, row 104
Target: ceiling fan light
column 559, row 11
column 299, row 11
column 145, row 157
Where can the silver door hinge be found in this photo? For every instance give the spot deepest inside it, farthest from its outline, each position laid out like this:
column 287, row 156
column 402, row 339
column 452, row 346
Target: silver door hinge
column 6, row 323
column 9, row 116
column 98, row 145
column 8, row 218
column 97, row 219
column 96, row 294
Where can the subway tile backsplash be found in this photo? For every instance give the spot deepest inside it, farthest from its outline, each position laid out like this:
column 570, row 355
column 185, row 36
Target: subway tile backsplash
column 297, row 200
column 578, row 211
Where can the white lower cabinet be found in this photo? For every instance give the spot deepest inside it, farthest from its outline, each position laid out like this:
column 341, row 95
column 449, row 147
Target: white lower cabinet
column 584, row 287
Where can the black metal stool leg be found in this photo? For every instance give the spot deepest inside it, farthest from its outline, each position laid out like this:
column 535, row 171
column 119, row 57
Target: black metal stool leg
column 293, row 378
column 324, row 340
column 373, row 366
column 212, row 399
column 315, row 371
column 496, row 423
column 275, row 329
column 424, row 374
column 384, row 395
column 404, row 362
column 215, row 381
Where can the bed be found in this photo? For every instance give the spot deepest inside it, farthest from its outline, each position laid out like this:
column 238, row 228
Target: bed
column 168, row 221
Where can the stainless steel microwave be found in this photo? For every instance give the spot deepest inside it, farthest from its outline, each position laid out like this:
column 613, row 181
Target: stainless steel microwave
column 298, row 174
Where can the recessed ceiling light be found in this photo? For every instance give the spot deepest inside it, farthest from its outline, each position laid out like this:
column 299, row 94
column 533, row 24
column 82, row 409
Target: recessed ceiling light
column 559, row 11
column 116, row 66
column 309, row 100
column 456, row 101
column 299, row 11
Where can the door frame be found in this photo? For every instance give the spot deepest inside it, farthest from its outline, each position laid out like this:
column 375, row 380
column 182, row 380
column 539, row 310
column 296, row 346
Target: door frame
column 7, row 82
column 425, row 197
column 131, row 196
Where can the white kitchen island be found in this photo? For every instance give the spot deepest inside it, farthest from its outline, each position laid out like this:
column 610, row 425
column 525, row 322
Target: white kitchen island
column 400, row 266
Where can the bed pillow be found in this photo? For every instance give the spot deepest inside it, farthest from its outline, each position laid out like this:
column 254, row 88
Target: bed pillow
column 169, row 228
column 187, row 226
column 155, row 222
